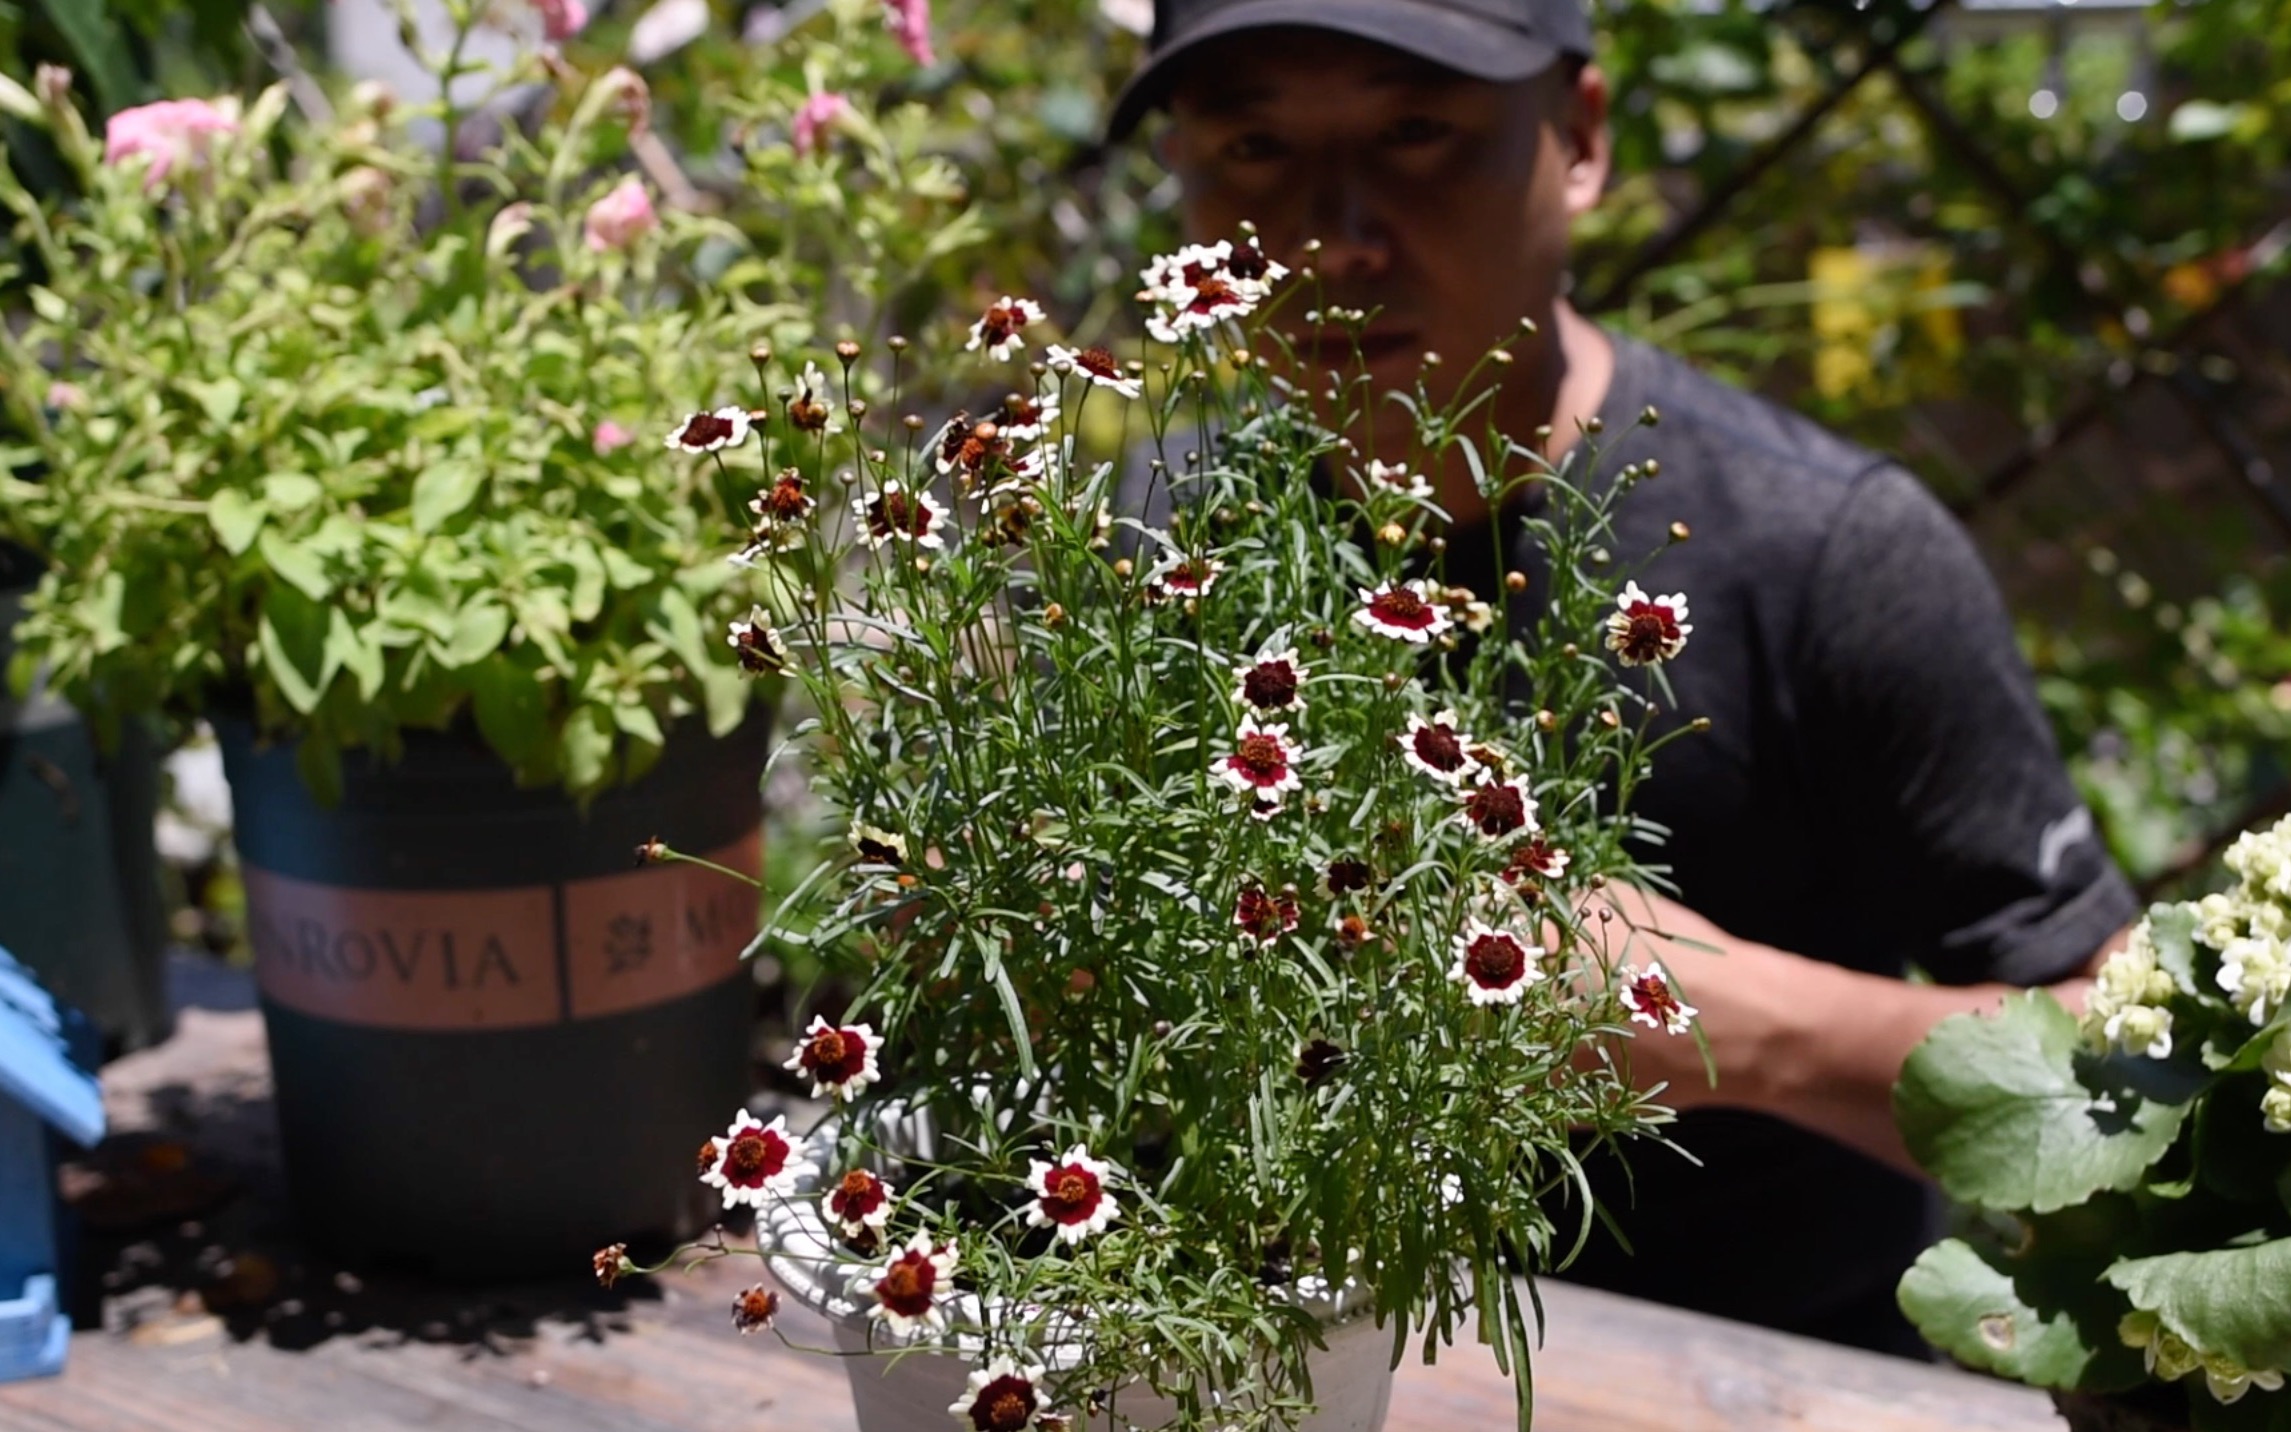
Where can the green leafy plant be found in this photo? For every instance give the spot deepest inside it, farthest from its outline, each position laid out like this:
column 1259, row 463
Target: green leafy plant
column 1223, row 930
column 2130, row 1168
column 342, row 425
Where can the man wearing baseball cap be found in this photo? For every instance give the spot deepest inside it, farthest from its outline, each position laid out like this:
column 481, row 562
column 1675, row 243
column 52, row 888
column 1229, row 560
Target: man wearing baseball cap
column 1878, row 790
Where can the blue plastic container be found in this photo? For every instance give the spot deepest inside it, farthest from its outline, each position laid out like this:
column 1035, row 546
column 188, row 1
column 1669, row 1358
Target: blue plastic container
column 44, row 1093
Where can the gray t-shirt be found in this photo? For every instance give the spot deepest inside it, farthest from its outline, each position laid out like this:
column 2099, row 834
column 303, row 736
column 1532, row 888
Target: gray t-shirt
column 1879, row 789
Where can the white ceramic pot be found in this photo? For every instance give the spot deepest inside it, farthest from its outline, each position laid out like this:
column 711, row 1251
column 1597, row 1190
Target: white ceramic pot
column 1352, row 1376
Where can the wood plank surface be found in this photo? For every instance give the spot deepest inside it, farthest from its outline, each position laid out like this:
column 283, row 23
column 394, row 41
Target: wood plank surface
column 213, row 1320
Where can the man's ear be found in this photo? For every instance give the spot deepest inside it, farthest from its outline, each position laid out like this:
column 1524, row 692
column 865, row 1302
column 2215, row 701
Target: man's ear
column 1583, row 125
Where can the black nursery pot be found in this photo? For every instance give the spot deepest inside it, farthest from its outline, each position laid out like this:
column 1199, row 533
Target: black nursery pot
column 496, row 1040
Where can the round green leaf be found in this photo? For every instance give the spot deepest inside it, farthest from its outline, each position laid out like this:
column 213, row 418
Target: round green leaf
column 2235, row 1301
column 1968, row 1304
column 1990, row 1106
column 236, row 519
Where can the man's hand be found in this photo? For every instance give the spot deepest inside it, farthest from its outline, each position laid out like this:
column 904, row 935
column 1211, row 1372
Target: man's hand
column 1802, row 1040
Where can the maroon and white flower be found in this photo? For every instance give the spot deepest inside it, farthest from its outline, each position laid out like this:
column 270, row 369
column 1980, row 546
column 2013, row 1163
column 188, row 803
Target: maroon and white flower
column 761, row 649
column 1438, row 749
column 1643, row 630
column 1413, row 612
column 1395, row 477
column 896, row 512
column 1271, row 683
column 1180, row 576
column 1070, row 1195
column 1025, row 420
column 859, row 1203
column 755, row 1162
column 877, row 846
column 1468, row 611
column 809, row 408
column 1498, row 809
column 1202, row 285
column 710, row 432
column 1536, row 857
column 1345, row 876
column 1264, row 761
column 1263, row 916
column 998, row 328
column 782, row 512
column 907, row 1289
column 840, row 1060
column 1003, row 1396
column 1098, row 365
column 754, row 1309
column 1648, row 995
column 1494, row 965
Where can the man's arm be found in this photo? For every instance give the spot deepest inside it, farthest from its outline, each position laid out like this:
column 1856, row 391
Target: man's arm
column 1813, row 1043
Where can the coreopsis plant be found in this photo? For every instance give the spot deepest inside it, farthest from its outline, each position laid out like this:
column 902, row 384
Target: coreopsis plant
column 1222, row 886
column 333, row 421
column 2131, row 1166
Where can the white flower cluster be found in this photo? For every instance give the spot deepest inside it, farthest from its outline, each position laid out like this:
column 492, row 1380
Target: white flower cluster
column 2127, row 1006
column 2250, row 928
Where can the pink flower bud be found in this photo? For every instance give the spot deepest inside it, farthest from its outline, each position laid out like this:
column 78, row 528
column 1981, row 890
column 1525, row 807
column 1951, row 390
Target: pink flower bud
column 562, row 19
column 611, row 437
column 616, row 220
column 168, row 133
column 816, row 116
column 910, row 21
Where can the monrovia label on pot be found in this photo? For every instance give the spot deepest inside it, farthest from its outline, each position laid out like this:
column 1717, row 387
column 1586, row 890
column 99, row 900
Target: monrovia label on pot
column 501, row 958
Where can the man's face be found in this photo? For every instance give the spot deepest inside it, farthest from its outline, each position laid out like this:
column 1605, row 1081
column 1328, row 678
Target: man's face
column 1441, row 203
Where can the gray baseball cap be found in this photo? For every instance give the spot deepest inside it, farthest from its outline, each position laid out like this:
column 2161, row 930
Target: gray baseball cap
column 1499, row 40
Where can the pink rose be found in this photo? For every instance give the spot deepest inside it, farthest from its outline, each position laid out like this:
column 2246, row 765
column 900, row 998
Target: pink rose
column 171, row 132
column 615, row 221
column 562, row 19
column 611, row 437
column 910, row 20
column 812, row 121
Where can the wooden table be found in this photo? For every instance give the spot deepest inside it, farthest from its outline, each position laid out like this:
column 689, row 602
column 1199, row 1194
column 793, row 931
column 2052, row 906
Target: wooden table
column 218, row 1324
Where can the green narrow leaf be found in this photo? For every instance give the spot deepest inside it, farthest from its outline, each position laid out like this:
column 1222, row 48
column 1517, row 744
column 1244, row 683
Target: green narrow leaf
column 348, row 649
column 588, row 748
column 1992, row 1108
column 2235, row 1301
column 512, row 709
column 297, row 566
column 292, row 638
column 236, row 518
column 443, row 490
column 88, row 28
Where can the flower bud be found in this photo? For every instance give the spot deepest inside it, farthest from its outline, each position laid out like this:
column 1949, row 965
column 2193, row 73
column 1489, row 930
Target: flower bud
column 1515, row 581
column 1053, row 614
column 1123, row 568
column 1649, row 416
column 651, row 852
column 760, row 354
column 1680, row 532
column 1392, row 534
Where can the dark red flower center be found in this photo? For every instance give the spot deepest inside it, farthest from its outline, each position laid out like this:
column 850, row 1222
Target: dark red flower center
column 1006, row 1404
column 1023, row 412
column 1188, row 576
column 1263, row 916
column 835, row 1056
column 1270, row 685
column 786, row 501
column 1495, row 961
column 1534, row 858
column 1317, row 1060
column 758, row 652
column 702, row 429
column 897, row 512
column 1651, row 630
column 1346, row 875
column 876, row 852
column 1401, row 607
column 1262, row 759
column 1210, row 293
column 1001, row 324
column 1653, row 993
column 753, row 1156
column 907, row 1285
column 1496, row 809
column 1436, row 746
column 860, row 1194
column 1073, row 1194
column 1098, row 363
column 1248, row 261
